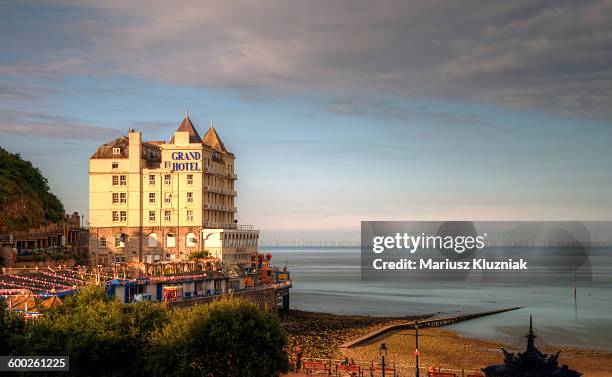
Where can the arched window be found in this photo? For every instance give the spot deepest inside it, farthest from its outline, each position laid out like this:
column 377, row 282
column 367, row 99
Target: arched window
column 152, row 240
column 170, row 240
column 191, row 240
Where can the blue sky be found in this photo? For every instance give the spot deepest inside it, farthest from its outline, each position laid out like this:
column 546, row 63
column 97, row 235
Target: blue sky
column 337, row 113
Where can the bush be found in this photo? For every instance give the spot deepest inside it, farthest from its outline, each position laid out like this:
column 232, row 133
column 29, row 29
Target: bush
column 198, row 255
column 104, row 337
column 226, row 338
column 101, row 336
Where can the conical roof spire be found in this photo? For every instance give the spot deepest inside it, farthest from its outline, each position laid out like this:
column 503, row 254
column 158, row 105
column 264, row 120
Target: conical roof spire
column 213, row 140
column 187, row 126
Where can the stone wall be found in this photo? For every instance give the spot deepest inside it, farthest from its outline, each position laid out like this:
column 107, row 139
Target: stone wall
column 263, row 298
column 137, row 241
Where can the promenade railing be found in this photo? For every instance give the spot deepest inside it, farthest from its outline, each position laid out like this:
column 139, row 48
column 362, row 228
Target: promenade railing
column 340, row 368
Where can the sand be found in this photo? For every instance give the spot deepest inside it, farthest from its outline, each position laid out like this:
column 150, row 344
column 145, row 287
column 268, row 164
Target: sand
column 319, row 335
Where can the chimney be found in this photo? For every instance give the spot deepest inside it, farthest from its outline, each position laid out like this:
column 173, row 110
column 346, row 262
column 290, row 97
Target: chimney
column 135, row 150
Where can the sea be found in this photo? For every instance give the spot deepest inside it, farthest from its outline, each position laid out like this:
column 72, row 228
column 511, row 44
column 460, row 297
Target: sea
column 328, row 279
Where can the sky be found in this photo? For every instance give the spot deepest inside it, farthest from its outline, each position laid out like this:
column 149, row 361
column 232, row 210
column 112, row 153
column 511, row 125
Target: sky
column 338, row 112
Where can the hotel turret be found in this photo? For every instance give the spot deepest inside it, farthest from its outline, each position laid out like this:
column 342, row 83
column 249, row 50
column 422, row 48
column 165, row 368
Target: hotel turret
column 158, row 201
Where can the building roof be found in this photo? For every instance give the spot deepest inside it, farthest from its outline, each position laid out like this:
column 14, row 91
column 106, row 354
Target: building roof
column 51, row 302
column 106, row 150
column 213, row 140
column 23, row 302
column 187, row 126
column 532, row 362
column 150, row 152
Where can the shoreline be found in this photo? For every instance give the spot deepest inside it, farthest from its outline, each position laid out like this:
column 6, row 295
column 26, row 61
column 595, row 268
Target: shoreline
column 320, row 335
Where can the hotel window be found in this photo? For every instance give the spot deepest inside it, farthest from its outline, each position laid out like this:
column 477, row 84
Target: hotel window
column 115, row 216
column 120, row 240
column 190, row 240
column 167, row 198
column 189, row 215
column 151, row 179
column 122, row 180
column 190, row 197
column 151, row 215
column 123, row 215
column 152, row 197
column 115, row 180
column 115, row 165
column 116, row 150
column 115, row 197
column 190, row 179
column 167, row 179
column 122, row 197
column 152, row 240
column 167, row 215
column 102, row 242
column 170, row 240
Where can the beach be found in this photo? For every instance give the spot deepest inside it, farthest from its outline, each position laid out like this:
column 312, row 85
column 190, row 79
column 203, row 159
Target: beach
column 320, row 335
column 328, row 279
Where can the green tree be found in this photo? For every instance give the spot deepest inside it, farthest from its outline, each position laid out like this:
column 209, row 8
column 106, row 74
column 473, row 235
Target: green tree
column 225, row 338
column 102, row 336
column 10, row 326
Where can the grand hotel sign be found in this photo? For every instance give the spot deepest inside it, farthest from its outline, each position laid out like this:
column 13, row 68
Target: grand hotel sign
column 186, row 161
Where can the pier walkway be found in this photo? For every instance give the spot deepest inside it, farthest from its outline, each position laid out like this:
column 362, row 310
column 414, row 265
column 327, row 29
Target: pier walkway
column 432, row 322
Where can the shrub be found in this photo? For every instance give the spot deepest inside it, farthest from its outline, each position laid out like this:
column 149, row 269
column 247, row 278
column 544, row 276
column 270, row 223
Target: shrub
column 225, row 338
column 102, row 336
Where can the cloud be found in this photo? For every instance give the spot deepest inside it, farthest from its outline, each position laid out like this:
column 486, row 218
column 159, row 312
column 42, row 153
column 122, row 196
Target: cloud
column 41, row 125
column 14, row 92
column 393, row 110
column 550, row 56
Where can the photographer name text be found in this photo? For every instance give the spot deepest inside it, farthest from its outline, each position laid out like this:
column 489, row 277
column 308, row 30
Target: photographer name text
column 431, row 264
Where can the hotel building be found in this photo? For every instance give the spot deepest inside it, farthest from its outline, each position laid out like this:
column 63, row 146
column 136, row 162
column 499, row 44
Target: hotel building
column 160, row 201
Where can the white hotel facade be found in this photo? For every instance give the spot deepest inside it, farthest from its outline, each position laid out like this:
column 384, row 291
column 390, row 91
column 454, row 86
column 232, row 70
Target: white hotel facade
column 160, row 201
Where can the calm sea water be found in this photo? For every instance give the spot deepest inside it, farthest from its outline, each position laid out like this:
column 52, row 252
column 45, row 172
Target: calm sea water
column 329, row 280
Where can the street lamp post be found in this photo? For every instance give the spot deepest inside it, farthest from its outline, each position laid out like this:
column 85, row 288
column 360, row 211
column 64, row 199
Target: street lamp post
column 383, row 352
column 416, row 349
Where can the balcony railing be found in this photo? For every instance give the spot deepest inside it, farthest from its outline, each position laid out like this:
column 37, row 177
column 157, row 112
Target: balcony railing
column 219, row 190
column 221, row 173
column 219, row 207
column 212, row 225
